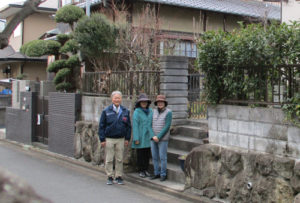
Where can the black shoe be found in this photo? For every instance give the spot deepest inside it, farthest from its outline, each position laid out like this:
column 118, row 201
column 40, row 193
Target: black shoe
column 147, row 174
column 163, row 178
column 119, row 181
column 154, row 177
column 109, row 181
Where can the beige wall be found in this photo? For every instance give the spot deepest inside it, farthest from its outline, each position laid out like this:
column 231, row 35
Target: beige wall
column 36, row 25
column 291, row 11
column 15, row 42
column 35, row 70
column 188, row 20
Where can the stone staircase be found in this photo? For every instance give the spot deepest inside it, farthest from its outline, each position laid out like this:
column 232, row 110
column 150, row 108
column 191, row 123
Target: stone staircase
column 182, row 140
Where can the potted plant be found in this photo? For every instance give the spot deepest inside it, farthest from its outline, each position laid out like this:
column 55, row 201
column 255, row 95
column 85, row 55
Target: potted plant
column 181, row 161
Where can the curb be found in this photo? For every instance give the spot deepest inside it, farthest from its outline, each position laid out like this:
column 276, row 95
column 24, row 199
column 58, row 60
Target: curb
column 127, row 177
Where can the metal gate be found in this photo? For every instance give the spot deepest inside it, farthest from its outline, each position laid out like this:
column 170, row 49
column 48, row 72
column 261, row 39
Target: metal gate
column 197, row 109
column 41, row 132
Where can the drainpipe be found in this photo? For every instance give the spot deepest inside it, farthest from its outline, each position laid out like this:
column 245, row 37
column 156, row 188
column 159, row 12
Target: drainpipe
column 88, row 8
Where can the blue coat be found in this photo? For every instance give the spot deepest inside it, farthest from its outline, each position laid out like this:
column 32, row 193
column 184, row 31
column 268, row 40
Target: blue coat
column 141, row 126
column 112, row 125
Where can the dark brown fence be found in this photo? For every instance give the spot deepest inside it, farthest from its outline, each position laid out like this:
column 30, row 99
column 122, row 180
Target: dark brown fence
column 130, row 83
column 268, row 86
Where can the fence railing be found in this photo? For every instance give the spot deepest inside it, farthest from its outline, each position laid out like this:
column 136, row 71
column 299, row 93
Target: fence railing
column 197, row 109
column 269, row 86
column 130, row 83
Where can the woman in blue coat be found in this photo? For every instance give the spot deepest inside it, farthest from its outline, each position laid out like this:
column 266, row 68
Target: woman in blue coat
column 141, row 125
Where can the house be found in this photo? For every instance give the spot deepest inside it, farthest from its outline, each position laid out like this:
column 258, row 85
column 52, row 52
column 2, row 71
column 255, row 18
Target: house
column 32, row 28
column 290, row 10
column 180, row 20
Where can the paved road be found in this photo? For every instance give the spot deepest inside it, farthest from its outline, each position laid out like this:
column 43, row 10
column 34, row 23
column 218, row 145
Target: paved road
column 63, row 182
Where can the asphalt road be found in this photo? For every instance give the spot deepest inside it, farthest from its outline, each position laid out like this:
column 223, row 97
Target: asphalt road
column 62, row 182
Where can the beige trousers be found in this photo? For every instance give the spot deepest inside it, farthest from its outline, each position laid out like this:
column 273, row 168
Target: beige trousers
column 114, row 148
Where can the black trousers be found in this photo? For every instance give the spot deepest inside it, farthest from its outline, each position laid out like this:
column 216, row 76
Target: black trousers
column 143, row 157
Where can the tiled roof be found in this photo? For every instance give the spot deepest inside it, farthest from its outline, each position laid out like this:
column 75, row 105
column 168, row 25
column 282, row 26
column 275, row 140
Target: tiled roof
column 249, row 8
column 9, row 54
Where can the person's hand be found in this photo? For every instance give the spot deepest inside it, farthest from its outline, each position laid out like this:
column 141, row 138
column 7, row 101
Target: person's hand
column 155, row 138
column 137, row 142
column 103, row 144
column 126, row 143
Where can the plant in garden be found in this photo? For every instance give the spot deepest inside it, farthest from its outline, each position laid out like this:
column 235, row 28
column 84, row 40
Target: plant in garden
column 38, row 48
column 292, row 109
column 238, row 65
column 69, row 14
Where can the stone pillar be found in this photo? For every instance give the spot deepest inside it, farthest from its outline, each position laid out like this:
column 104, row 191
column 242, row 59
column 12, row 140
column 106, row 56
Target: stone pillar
column 174, row 84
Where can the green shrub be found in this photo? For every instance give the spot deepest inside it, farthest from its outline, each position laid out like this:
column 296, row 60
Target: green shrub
column 95, row 34
column 69, row 14
column 57, row 65
column 73, row 61
column 61, row 75
column 70, row 46
column 62, row 38
column 64, row 86
column 38, row 48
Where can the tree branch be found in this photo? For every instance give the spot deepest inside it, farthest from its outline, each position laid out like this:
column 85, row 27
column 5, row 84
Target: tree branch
column 29, row 7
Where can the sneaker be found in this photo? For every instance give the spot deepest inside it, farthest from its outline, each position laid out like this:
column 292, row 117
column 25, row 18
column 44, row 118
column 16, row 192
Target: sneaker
column 154, row 177
column 119, row 181
column 109, row 181
column 163, row 178
column 147, row 174
column 142, row 174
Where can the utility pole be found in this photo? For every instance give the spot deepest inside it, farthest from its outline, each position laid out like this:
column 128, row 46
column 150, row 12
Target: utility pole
column 88, row 8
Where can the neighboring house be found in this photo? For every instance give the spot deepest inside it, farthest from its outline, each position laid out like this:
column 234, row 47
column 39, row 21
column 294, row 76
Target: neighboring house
column 290, row 10
column 182, row 19
column 14, row 64
column 31, row 28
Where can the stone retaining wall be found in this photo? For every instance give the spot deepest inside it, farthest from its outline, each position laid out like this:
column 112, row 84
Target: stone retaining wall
column 253, row 129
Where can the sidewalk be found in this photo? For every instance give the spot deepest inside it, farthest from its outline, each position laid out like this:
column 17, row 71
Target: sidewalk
column 168, row 187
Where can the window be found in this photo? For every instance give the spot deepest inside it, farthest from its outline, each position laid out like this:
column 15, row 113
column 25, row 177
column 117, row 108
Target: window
column 178, row 48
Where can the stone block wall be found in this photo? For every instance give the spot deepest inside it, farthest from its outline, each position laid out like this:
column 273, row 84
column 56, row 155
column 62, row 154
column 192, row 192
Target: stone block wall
column 253, row 129
column 174, row 84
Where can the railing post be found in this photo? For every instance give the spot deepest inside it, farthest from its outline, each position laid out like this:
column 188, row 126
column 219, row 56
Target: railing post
column 174, row 84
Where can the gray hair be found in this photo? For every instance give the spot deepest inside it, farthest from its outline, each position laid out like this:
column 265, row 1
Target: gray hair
column 114, row 93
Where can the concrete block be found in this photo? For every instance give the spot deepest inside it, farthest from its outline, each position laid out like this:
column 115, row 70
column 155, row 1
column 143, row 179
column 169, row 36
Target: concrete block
column 174, row 93
column 294, row 150
column 180, row 114
column 275, row 147
column 46, row 87
column 173, row 65
column 237, row 140
column 173, row 79
column 294, row 134
column 173, row 86
column 216, row 137
column 177, row 108
column 213, row 136
column 267, row 115
column 223, row 124
column 212, row 123
column 174, row 72
column 173, row 58
column 219, row 111
column 273, row 131
column 258, row 129
column 233, row 126
column 238, row 112
column 246, row 128
column 178, row 100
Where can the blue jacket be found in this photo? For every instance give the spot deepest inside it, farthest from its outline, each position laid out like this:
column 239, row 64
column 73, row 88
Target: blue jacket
column 112, row 125
column 141, row 128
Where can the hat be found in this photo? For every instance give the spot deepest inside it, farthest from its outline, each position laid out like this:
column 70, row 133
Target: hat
column 161, row 98
column 143, row 97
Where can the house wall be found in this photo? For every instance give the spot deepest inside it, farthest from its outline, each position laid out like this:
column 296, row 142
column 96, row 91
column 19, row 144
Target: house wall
column 15, row 41
column 291, row 11
column 15, row 70
column 36, row 25
column 184, row 19
column 35, row 70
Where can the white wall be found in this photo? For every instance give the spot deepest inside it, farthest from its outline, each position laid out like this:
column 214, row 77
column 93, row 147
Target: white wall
column 291, row 11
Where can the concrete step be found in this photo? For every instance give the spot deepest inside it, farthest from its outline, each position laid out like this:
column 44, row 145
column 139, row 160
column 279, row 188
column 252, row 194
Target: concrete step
column 173, row 155
column 184, row 143
column 174, row 172
column 197, row 122
column 190, row 131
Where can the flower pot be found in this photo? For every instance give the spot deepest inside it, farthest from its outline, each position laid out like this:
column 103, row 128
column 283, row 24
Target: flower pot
column 181, row 161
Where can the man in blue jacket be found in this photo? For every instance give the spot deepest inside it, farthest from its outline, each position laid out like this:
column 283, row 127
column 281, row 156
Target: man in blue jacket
column 114, row 133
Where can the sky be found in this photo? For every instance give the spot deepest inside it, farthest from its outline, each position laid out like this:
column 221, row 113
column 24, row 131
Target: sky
column 3, row 3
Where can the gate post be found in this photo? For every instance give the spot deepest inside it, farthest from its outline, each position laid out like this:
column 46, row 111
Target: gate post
column 174, row 84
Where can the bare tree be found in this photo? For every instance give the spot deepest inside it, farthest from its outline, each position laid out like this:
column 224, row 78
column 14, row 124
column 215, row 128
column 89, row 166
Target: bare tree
column 29, row 7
